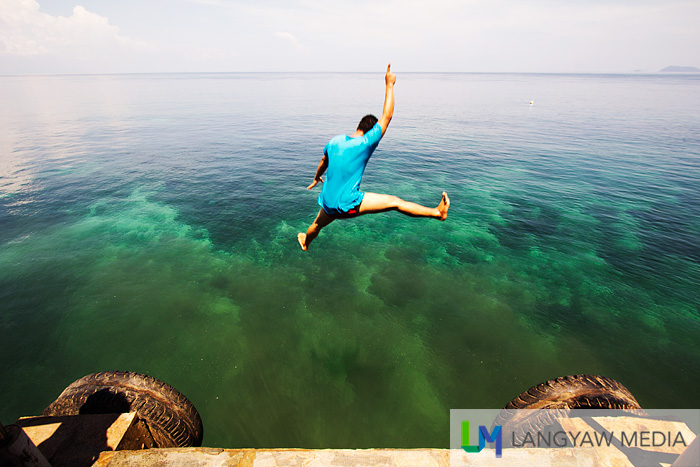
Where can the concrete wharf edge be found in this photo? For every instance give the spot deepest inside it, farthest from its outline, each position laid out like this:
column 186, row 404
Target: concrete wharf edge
column 124, row 441
column 211, row 457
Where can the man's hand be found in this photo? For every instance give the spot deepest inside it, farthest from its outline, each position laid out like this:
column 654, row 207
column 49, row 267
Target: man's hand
column 388, row 111
column 316, row 180
column 390, row 78
column 322, row 166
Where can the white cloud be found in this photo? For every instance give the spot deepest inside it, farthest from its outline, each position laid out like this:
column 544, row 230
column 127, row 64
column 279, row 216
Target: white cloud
column 26, row 31
column 290, row 38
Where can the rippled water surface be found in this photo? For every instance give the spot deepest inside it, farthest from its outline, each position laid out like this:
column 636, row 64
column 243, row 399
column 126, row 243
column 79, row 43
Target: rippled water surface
column 148, row 223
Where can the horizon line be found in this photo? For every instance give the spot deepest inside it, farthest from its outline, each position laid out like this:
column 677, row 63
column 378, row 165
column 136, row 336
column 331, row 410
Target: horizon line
column 633, row 72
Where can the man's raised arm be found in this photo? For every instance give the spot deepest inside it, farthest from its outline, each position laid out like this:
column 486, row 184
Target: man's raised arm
column 388, row 111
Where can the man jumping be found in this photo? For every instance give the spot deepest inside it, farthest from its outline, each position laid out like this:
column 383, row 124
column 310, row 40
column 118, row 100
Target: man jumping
column 345, row 158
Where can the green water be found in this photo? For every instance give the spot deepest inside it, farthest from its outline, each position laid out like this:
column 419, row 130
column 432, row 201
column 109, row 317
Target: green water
column 160, row 237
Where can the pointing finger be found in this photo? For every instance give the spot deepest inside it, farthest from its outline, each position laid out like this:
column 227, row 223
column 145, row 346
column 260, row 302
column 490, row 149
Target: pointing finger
column 388, row 68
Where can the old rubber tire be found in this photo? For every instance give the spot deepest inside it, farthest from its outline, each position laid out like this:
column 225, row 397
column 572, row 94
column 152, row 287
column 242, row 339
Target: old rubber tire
column 171, row 418
column 560, row 396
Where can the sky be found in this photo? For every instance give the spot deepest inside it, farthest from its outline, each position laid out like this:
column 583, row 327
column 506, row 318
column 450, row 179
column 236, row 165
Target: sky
column 547, row 36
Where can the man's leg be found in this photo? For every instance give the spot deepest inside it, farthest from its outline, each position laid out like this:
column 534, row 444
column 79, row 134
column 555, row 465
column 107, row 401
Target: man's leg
column 373, row 202
column 320, row 222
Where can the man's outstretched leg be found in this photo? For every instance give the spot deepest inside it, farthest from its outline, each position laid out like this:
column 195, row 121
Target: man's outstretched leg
column 373, row 202
column 320, row 222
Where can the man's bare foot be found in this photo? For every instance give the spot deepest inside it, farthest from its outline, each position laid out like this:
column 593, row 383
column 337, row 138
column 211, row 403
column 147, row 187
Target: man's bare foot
column 444, row 206
column 302, row 240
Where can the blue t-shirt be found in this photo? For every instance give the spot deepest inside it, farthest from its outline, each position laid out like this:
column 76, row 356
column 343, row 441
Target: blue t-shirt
column 347, row 159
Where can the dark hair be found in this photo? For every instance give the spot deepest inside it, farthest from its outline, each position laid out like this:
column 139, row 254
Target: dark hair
column 367, row 123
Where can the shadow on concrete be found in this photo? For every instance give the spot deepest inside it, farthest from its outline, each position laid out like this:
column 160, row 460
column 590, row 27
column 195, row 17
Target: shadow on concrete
column 78, row 441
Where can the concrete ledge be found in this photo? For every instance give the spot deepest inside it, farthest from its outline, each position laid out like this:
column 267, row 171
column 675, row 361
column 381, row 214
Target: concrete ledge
column 208, row 457
column 121, row 440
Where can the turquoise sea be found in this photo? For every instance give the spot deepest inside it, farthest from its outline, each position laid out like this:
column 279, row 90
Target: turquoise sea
column 148, row 223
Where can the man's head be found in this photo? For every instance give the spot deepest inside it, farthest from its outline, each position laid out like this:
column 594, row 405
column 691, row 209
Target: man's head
column 367, row 123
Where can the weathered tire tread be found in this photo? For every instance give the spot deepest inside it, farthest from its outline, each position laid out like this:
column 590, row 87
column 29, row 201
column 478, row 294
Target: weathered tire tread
column 564, row 394
column 570, row 389
column 171, row 417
